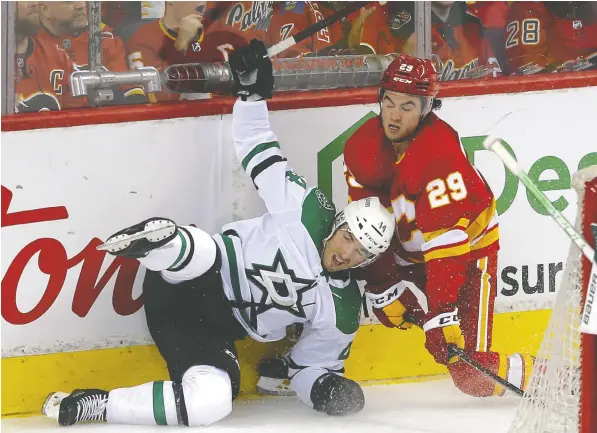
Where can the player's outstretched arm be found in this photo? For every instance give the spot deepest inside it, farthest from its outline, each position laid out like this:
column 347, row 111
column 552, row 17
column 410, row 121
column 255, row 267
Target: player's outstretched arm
column 316, row 367
column 255, row 143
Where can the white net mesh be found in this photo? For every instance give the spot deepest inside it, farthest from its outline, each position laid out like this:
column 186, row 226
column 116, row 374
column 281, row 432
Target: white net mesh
column 551, row 402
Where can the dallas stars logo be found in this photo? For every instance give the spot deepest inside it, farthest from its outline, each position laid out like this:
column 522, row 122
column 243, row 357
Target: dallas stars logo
column 281, row 288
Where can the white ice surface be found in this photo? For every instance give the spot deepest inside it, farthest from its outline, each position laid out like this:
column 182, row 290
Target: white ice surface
column 429, row 407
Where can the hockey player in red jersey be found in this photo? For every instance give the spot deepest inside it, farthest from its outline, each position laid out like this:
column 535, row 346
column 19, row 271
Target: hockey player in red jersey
column 549, row 36
column 442, row 272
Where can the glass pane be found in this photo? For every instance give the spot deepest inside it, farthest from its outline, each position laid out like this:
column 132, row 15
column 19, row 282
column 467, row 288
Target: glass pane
column 190, row 32
column 550, row 37
column 470, row 40
column 461, row 47
column 50, row 41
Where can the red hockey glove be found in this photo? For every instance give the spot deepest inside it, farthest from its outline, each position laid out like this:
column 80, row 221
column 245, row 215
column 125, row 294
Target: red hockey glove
column 441, row 331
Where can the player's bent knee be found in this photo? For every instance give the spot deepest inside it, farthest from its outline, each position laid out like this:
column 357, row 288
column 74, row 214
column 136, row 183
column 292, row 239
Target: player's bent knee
column 207, row 395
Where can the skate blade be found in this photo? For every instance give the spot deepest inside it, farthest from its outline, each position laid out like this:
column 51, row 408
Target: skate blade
column 111, row 245
column 51, row 405
column 271, row 386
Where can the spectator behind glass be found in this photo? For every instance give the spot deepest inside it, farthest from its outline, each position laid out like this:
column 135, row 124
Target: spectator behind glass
column 551, row 36
column 175, row 38
column 193, row 32
column 42, row 69
column 292, row 17
column 457, row 38
column 493, row 15
column 378, row 28
column 65, row 24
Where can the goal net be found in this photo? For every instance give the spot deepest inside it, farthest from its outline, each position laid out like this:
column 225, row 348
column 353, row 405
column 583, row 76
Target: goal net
column 561, row 396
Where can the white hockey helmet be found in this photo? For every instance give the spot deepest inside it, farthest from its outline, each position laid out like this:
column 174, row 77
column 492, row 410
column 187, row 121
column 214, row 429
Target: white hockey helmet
column 370, row 223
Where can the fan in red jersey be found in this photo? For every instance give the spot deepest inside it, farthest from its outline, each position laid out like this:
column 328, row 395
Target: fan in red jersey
column 550, row 36
column 442, row 272
column 193, row 32
column 64, row 24
column 457, row 37
column 493, row 15
column 291, row 17
column 42, row 69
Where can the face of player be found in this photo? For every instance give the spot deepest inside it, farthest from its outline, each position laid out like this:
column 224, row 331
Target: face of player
column 181, row 9
column 27, row 23
column 68, row 15
column 400, row 114
column 343, row 251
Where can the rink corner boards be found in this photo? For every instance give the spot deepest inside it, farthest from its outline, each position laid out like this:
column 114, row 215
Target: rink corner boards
column 379, row 355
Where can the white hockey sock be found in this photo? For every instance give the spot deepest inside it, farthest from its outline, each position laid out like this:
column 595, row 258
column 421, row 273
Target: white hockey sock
column 203, row 398
column 168, row 255
column 195, row 259
column 189, row 255
column 152, row 403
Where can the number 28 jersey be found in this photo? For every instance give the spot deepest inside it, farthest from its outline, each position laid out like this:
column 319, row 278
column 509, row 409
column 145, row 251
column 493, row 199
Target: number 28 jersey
column 445, row 212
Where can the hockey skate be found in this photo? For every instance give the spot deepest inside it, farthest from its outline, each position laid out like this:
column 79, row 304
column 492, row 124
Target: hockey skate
column 82, row 405
column 136, row 241
column 273, row 377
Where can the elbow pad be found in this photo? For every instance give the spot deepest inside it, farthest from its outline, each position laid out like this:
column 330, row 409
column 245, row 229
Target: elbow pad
column 336, row 395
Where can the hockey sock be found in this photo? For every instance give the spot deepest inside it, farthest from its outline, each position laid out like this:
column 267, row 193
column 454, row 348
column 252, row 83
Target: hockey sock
column 152, row 403
column 170, row 255
column 203, row 397
column 197, row 254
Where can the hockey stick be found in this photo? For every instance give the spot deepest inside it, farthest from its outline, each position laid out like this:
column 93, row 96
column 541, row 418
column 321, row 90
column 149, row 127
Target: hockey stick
column 454, row 351
column 589, row 316
column 312, row 29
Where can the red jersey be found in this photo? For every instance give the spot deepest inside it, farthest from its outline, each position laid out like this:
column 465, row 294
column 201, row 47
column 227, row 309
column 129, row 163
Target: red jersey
column 77, row 48
column 459, row 42
column 445, row 212
column 378, row 30
column 291, row 17
column 153, row 43
column 492, row 14
column 42, row 75
column 369, row 160
column 549, row 34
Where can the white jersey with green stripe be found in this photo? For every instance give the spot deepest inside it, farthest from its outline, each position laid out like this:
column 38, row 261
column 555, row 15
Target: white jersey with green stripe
column 272, row 269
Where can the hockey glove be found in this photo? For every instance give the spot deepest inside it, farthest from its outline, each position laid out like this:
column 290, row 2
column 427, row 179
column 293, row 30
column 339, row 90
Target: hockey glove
column 441, row 331
column 337, row 395
column 252, row 71
column 394, row 315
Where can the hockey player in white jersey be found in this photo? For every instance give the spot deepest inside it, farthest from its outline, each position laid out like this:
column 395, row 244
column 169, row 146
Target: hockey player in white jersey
column 202, row 292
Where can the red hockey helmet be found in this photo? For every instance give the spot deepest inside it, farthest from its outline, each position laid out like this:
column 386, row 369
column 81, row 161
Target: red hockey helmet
column 411, row 75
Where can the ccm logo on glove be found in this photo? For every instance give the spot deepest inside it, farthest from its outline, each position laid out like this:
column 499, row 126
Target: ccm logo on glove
column 442, row 320
column 382, row 299
column 442, row 331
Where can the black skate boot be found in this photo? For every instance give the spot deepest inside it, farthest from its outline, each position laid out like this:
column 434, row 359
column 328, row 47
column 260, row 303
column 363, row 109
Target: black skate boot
column 273, row 377
column 136, row 241
column 82, row 405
